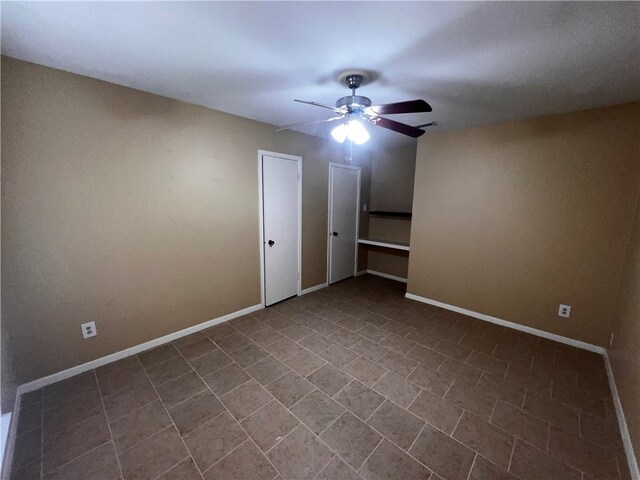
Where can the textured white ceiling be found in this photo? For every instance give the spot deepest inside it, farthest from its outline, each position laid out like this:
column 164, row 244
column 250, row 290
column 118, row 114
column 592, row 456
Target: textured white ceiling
column 475, row 63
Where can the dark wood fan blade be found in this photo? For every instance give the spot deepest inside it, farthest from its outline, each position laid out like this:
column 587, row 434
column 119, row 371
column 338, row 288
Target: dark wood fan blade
column 316, row 104
column 402, row 128
column 411, row 106
column 293, row 125
column 430, row 124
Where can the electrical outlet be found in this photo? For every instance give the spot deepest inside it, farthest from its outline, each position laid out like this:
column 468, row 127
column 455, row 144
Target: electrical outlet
column 364, row 207
column 88, row 330
column 564, row 311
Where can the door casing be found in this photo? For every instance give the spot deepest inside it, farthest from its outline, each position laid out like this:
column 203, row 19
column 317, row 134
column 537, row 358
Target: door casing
column 298, row 159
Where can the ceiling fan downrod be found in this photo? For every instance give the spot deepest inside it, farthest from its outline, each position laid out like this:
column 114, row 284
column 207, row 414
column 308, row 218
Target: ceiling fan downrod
column 353, row 103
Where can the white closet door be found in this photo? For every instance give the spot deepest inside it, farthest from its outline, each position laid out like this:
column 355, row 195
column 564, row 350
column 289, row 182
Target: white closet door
column 281, row 216
column 344, row 201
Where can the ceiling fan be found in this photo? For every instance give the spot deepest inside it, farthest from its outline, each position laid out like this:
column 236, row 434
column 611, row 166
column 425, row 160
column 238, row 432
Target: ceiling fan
column 353, row 109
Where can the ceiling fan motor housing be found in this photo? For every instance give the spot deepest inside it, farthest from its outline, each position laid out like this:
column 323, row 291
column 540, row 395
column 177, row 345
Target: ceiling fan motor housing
column 354, row 80
column 355, row 102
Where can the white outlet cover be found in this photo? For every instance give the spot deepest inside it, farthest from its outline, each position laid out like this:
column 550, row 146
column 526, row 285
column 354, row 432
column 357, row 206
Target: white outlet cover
column 564, row 311
column 88, row 330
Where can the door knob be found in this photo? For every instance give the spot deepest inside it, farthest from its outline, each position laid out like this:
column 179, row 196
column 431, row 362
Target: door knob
column 335, row 234
column 271, row 243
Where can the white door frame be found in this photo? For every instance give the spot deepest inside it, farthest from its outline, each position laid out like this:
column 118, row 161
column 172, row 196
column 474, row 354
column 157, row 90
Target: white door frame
column 261, row 216
column 330, row 189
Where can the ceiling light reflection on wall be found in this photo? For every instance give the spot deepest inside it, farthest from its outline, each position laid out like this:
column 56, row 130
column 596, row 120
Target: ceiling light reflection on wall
column 353, row 130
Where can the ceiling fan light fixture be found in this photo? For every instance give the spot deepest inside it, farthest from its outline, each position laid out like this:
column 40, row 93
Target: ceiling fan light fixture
column 357, row 133
column 339, row 133
column 354, row 109
column 353, row 130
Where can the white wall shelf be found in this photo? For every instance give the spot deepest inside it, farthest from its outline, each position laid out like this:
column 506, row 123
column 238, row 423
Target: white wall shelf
column 385, row 243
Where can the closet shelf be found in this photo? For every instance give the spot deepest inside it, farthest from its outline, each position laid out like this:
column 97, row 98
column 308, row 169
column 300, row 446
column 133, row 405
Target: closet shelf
column 382, row 213
column 385, row 243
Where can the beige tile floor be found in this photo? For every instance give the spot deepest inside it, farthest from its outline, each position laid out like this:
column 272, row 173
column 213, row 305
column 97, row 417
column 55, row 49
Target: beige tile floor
column 350, row 382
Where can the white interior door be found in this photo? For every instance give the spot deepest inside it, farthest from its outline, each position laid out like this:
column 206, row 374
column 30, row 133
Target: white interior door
column 281, row 202
column 344, row 202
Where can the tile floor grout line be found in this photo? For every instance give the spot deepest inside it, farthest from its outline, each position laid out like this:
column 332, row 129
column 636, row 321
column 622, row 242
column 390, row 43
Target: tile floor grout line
column 382, row 439
column 106, row 418
column 257, row 409
column 493, row 410
column 490, row 424
column 304, row 425
column 226, row 454
column 186, row 399
column 145, row 438
column 283, row 360
column 378, row 408
column 353, row 379
column 451, row 385
column 234, row 418
column 301, row 399
column 313, row 371
column 345, row 366
column 379, row 433
column 407, row 452
column 456, row 426
column 414, row 398
column 500, row 428
column 413, row 370
column 78, row 456
column 513, row 449
column 234, row 388
column 132, row 411
column 417, row 437
column 278, row 442
column 346, row 410
column 277, row 378
column 308, row 350
column 170, row 417
column 163, row 383
column 189, row 360
column 172, row 466
column 205, row 423
column 475, row 457
column 323, row 467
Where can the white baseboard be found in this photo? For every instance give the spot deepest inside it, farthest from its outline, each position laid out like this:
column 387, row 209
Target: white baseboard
column 622, row 421
column 505, row 323
column 361, row 272
column 64, row 374
column 314, row 288
column 386, row 275
column 5, row 423
column 10, row 441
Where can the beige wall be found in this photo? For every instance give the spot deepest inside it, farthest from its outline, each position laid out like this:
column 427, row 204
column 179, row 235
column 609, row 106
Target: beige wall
column 392, row 175
column 511, row 220
column 392, row 179
column 133, row 210
column 385, row 260
column 624, row 353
